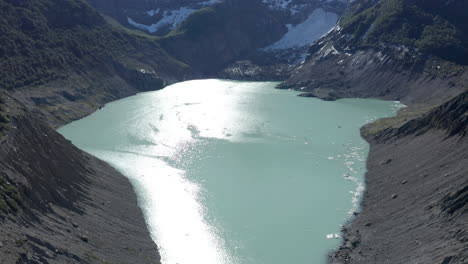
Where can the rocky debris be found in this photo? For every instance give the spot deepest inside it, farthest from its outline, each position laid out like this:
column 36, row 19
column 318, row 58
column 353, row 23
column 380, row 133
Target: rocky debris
column 385, row 162
column 324, row 94
column 456, row 202
column 249, row 71
column 308, row 94
column 84, row 238
column 59, row 186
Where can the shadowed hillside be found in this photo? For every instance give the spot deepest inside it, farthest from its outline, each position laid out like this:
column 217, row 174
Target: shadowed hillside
column 63, row 56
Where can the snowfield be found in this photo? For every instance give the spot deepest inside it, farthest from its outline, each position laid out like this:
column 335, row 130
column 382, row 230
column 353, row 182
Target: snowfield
column 316, row 25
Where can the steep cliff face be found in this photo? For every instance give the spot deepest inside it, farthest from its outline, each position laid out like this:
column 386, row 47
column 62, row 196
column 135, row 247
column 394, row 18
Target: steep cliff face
column 60, row 205
column 415, row 206
column 401, row 50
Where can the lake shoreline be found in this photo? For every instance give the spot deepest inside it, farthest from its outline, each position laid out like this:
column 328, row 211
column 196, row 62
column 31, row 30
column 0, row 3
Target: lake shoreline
column 342, row 158
column 360, row 222
column 363, row 222
column 405, row 204
column 69, row 206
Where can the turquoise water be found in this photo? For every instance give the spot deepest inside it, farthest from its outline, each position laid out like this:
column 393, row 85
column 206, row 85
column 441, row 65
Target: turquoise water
column 236, row 172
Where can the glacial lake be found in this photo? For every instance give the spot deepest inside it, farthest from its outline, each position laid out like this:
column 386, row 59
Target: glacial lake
column 231, row 172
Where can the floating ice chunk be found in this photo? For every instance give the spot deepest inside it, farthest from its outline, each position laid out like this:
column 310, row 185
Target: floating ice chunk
column 331, row 236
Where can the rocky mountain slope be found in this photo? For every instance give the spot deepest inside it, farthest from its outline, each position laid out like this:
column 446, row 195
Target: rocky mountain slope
column 64, row 59
column 60, row 205
column 405, row 50
column 415, row 207
column 59, row 61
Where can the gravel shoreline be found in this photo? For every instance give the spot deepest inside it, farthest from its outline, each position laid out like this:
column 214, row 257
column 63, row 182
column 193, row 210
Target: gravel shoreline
column 415, row 205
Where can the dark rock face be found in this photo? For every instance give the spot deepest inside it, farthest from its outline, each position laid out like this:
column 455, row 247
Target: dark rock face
column 60, row 205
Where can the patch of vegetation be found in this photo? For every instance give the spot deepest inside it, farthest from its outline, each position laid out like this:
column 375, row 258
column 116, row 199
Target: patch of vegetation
column 4, row 119
column 9, row 198
column 45, row 40
column 404, row 115
column 20, row 242
column 443, row 69
column 424, row 25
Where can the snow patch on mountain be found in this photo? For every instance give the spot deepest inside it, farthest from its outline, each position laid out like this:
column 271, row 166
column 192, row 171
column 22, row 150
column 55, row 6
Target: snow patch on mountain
column 297, row 6
column 170, row 18
column 316, row 25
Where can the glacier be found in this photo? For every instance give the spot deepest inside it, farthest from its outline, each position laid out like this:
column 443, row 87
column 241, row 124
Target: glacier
column 315, row 26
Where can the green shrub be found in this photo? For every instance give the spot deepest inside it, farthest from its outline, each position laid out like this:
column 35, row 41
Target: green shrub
column 9, row 198
column 412, row 23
